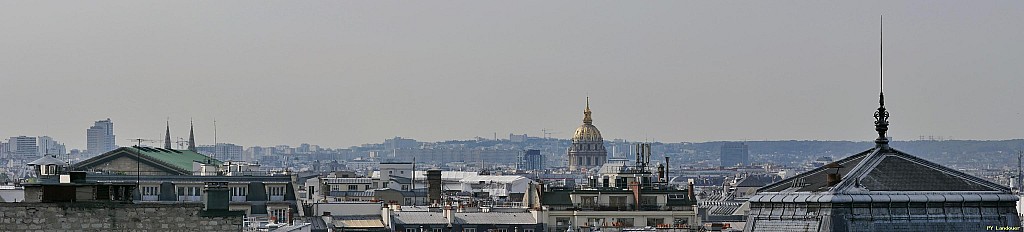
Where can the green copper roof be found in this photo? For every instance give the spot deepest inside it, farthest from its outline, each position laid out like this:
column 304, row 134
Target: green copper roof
column 179, row 158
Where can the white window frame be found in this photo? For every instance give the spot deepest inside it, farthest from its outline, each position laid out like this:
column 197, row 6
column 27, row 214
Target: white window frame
column 150, row 190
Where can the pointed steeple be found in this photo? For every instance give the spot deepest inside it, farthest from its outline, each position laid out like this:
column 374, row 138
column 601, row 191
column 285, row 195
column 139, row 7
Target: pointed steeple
column 191, row 137
column 167, row 136
column 881, row 115
column 586, row 113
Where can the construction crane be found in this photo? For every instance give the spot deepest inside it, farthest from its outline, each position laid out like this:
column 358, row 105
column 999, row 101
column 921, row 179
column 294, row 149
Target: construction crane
column 182, row 143
column 547, row 133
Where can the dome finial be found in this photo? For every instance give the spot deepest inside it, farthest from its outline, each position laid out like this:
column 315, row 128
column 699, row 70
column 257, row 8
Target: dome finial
column 881, row 115
column 586, row 113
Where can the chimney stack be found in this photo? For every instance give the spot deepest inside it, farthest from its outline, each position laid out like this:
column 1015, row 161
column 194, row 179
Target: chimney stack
column 666, row 169
column 328, row 219
column 689, row 191
column 217, row 196
column 434, row 186
column 832, row 179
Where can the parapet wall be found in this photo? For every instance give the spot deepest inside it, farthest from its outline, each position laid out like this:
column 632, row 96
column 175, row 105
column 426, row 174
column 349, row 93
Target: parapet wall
column 113, row 217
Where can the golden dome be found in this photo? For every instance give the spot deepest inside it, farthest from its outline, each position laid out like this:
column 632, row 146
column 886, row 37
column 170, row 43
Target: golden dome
column 587, row 131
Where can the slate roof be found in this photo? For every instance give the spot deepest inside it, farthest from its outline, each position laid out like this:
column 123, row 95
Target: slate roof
column 889, row 170
column 885, row 174
column 757, row 180
column 556, row 198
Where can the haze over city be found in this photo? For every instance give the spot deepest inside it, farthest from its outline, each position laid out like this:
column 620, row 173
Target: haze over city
column 345, row 73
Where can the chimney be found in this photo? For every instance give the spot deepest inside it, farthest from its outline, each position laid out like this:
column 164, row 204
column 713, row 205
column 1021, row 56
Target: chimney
column 434, row 186
column 327, row 218
column 661, row 173
column 832, row 179
column 448, row 215
column 666, row 169
column 216, row 197
column 635, row 187
column 689, row 191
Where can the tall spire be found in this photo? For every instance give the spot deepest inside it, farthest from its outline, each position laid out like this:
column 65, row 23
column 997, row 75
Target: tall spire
column 881, row 115
column 586, row 113
column 191, row 137
column 167, row 137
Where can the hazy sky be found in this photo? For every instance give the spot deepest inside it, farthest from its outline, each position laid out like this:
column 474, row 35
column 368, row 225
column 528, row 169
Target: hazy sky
column 343, row 73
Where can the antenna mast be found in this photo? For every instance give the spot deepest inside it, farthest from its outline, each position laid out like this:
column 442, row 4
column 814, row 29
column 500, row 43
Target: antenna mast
column 215, row 138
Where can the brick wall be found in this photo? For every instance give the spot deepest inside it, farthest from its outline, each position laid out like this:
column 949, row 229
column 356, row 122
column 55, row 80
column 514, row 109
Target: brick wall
column 112, row 217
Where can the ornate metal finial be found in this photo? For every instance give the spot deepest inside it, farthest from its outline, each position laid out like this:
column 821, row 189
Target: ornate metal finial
column 881, row 115
column 881, row 122
column 586, row 113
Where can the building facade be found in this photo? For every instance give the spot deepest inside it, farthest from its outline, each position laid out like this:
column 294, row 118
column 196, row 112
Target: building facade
column 48, row 146
column 734, row 154
column 587, row 150
column 531, row 160
column 100, row 137
column 23, row 147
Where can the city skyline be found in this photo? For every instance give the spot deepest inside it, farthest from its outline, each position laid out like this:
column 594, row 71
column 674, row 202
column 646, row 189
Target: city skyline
column 344, row 74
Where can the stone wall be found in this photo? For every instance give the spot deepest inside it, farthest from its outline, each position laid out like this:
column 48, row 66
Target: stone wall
column 113, row 217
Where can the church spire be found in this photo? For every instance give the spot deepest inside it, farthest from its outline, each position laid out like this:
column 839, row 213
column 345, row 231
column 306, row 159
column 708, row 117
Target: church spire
column 167, row 137
column 881, row 115
column 586, row 113
column 191, row 137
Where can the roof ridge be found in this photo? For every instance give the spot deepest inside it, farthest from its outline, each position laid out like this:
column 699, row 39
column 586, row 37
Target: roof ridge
column 860, row 170
column 813, row 171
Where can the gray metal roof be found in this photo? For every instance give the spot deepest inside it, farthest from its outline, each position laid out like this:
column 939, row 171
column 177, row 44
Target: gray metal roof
column 368, row 193
column 48, row 160
column 757, row 180
column 495, row 218
column 885, row 170
column 420, row 218
column 475, row 218
column 884, row 175
column 341, row 180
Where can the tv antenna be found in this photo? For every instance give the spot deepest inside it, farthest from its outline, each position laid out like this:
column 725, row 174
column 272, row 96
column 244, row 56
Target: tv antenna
column 138, row 160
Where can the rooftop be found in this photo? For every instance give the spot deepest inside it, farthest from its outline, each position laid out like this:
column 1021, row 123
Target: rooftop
column 179, row 160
